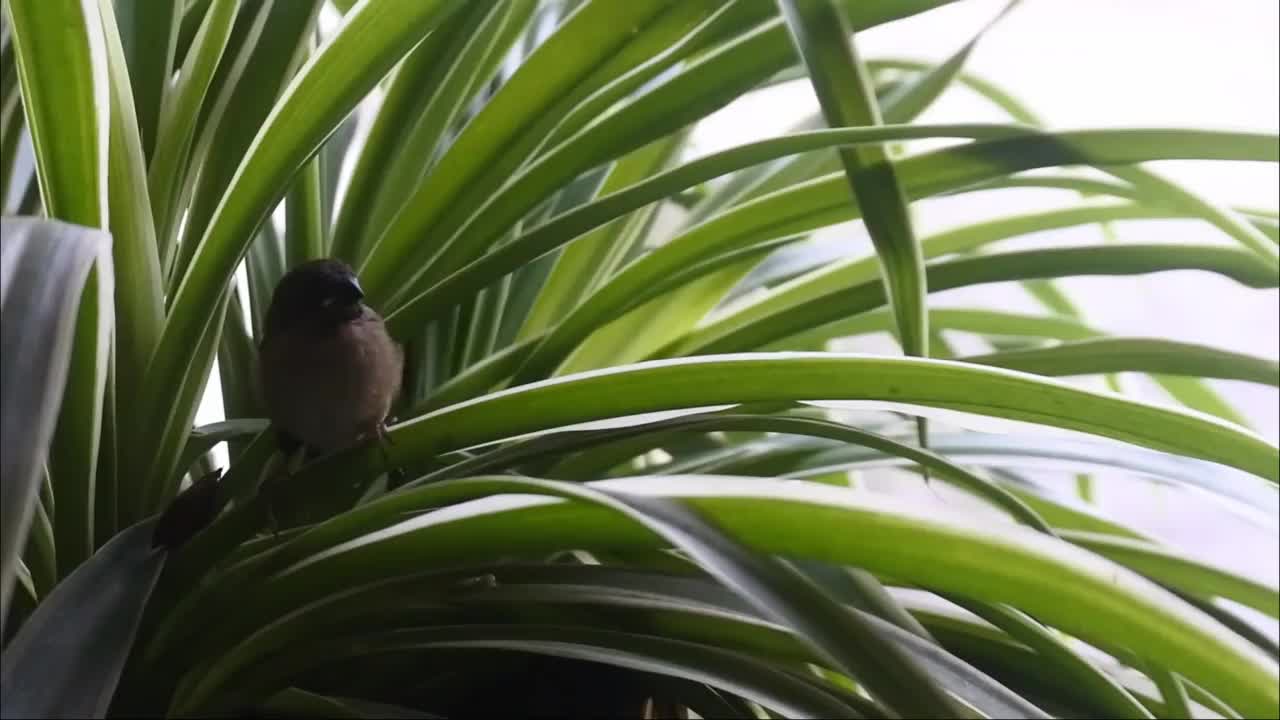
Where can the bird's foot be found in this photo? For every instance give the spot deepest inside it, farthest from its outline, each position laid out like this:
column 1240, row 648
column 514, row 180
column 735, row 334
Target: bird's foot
column 273, row 524
column 268, row 491
column 395, row 475
column 275, row 479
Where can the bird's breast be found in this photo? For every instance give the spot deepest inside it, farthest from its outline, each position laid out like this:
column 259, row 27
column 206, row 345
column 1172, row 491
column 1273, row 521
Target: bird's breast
column 332, row 387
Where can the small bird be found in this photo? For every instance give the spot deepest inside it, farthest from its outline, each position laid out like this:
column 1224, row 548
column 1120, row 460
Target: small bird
column 327, row 367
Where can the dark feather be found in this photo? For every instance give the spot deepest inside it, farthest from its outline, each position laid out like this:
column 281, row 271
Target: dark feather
column 188, row 513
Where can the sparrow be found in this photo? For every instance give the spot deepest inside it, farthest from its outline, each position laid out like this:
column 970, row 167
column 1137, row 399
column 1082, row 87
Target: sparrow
column 328, row 370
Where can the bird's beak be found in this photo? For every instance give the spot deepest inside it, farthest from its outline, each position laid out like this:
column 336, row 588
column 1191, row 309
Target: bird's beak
column 357, row 292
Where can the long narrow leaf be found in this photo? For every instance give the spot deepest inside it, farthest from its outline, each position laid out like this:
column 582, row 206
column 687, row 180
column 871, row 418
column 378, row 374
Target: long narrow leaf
column 62, row 65
column 697, row 382
column 947, row 551
column 1104, row 691
column 840, row 79
column 167, row 172
column 148, row 36
column 46, row 265
column 780, row 320
column 408, row 93
column 139, row 303
column 1086, row 357
column 811, row 205
column 68, row 656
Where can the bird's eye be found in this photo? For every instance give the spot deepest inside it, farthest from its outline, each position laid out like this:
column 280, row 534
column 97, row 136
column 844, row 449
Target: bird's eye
column 328, row 302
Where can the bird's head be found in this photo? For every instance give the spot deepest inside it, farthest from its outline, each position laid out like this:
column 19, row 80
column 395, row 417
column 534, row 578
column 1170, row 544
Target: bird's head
column 315, row 294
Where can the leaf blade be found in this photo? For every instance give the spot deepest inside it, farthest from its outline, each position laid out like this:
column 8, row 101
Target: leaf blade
column 38, row 330
column 68, row 656
column 822, row 36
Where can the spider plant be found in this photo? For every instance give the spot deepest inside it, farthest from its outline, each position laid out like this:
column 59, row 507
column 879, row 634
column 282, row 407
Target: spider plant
column 634, row 484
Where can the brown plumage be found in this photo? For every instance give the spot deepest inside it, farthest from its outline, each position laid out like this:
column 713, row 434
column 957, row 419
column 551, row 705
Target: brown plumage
column 328, row 369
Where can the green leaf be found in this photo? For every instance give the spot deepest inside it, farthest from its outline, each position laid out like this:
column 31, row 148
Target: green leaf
column 992, row 323
column 293, row 702
column 62, row 66
column 496, row 204
column 1011, row 106
column 304, row 226
column 1196, row 395
column 107, row 483
column 681, row 607
column 846, row 638
column 909, row 99
column 46, row 266
column 28, row 598
column 1151, row 186
column 73, row 454
column 1086, row 454
column 167, row 175
column 410, row 91
column 1172, row 691
column 332, row 158
column 1068, row 514
column 1225, row 219
column 586, row 256
column 1104, row 691
column 495, row 143
column 12, row 122
column 68, row 656
column 697, row 382
column 1064, row 586
column 824, row 280
column 139, row 303
column 161, row 481
column 485, row 34
column 859, row 648
column 192, row 14
column 1104, row 355
column 686, row 32
column 677, row 310
column 792, row 694
column 949, row 472
column 266, row 266
column 844, row 90
column 40, row 557
column 476, row 379
column 1170, row 568
column 776, row 320
column 148, row 36
column 204, row 437
column 267, row 45
column 237, row 374
column 801, row 208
